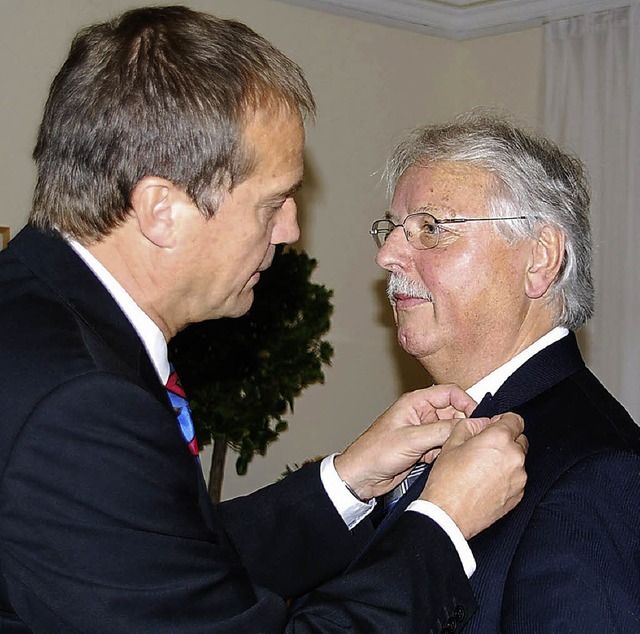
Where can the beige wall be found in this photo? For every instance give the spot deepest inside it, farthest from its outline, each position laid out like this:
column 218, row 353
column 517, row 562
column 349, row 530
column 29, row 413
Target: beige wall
column 372, row 84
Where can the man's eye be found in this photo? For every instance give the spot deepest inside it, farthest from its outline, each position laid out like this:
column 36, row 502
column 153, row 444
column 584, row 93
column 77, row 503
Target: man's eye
column 429, row 228
column 273, row 209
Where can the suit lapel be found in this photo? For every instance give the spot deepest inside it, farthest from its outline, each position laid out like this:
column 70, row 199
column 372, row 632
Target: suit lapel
column 58, row 266
column 494, row 547
column 544, row 370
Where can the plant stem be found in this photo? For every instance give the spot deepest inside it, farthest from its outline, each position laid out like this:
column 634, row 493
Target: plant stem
column 216, row 472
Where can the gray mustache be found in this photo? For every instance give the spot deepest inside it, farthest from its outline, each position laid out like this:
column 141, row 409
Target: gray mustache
column 399, row 284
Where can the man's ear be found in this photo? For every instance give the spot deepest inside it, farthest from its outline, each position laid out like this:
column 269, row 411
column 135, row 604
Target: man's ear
column 547, row 256
column 151, row 205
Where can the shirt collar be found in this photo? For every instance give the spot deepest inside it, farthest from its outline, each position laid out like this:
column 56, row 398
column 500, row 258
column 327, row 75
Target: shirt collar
column 147, row 330
column 493, row 381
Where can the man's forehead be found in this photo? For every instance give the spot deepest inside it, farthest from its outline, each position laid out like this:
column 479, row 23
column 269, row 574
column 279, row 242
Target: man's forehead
column 276, row 140
column 260, row 123
column 459, row 174
column 445, row 184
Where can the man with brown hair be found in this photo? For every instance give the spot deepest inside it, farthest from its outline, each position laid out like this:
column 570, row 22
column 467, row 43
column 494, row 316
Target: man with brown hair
column 168, row 157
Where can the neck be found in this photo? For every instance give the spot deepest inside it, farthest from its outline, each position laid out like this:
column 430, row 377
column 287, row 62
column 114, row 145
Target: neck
column 133, row 267
column 466, row 367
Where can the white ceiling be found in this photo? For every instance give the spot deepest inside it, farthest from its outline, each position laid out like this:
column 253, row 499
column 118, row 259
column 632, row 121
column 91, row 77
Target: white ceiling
column 461, row 19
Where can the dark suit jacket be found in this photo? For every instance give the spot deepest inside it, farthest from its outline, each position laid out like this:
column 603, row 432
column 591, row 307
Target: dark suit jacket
column 567, row 559
column 105, row 523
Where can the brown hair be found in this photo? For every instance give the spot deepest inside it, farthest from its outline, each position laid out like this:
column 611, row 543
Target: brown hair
column 159, row 91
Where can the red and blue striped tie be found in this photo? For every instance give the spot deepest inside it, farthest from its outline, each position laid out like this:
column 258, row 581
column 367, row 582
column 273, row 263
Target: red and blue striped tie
column 181, row 406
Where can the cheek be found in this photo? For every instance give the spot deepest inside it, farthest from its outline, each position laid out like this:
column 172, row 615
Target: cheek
column 430, row 270
column 461, row 287
column 443, row 272
column 251, row 246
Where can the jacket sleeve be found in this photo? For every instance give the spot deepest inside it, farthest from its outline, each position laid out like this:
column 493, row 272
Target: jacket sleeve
column 576, row 567
column 104, row 529
column 289, row 535
column 410, row 581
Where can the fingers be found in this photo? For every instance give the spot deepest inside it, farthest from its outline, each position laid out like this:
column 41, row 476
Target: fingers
column 448, row 413
column 460, row 399
column 465, row 429
column 509, row 423
column 523, row 442
column 480, row 473
column 513, row 423
column 430, row 456
column 427, row 438
column 452, row 399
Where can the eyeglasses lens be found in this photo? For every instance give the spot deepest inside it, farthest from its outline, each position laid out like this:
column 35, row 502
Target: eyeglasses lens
column 382, row 230
column 422, row 231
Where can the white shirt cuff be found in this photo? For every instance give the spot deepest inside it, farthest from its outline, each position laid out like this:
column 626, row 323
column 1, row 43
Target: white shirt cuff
column 450, row 528
column 352, row 510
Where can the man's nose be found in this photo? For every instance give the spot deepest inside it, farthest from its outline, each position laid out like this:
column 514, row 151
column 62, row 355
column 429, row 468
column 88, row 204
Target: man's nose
column 395, row 250
column 286, row 230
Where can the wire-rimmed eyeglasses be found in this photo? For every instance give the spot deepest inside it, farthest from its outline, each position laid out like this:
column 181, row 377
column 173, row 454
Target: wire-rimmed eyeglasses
column 422, row 229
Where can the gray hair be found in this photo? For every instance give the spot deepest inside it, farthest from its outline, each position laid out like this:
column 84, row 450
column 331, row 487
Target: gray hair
column 531, row 177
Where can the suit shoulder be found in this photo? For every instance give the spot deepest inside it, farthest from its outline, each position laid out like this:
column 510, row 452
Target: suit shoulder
column 39, row 331
column 604, row 414
column 577, row 417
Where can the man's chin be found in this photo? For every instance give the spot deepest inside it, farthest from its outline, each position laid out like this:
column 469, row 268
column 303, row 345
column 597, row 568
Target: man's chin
column 243, row 308
column 240, row 306
column 416, row 339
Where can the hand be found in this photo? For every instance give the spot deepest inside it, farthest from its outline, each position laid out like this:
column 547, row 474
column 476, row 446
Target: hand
column 411, row 430
column 480, row 476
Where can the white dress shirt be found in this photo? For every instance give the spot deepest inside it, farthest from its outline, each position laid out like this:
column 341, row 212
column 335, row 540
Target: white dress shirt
column 493, row 381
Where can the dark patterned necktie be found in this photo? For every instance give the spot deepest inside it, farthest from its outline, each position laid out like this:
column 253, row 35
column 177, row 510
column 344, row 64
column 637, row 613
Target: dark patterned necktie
column 181, row 407
column 389, row 500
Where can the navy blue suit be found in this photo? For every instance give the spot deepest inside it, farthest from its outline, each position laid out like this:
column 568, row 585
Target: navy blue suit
column 567, row 558
column 105, row 522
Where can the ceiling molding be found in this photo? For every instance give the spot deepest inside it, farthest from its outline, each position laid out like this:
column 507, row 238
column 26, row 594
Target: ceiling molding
column 461, row 19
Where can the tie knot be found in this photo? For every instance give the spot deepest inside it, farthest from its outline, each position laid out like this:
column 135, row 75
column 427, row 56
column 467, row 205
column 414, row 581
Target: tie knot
column 173, row 384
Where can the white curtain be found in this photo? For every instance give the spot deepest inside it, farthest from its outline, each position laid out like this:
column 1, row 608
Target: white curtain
column 592, row 106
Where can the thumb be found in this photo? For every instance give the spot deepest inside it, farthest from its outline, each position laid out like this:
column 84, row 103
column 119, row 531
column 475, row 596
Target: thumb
column 465, row 429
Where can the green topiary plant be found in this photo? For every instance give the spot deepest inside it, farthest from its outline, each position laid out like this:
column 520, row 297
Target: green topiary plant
column 241, row 375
